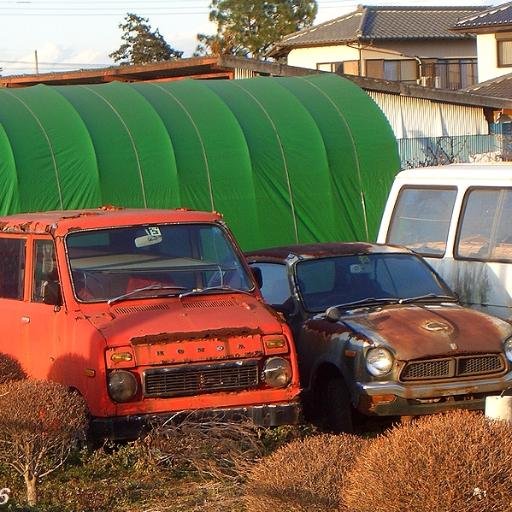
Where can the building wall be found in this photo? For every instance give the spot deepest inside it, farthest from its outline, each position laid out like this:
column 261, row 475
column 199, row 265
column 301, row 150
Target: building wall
column 310, row 57
column 488, row 58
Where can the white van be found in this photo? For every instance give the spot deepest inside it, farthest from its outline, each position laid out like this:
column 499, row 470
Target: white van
column 460, row 218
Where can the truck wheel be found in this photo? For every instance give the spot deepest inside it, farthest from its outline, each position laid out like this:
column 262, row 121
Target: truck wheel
column 338, row 407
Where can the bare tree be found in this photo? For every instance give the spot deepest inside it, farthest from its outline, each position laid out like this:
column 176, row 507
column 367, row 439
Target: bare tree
column 40, row 423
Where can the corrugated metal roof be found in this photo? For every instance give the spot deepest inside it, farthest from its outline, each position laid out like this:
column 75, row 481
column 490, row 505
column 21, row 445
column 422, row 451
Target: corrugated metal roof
column 498, row 17
column 383, row 23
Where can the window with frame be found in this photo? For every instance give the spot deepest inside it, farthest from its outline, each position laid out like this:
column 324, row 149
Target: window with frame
column 45, row 269
column 504, row 48
column 485, row 232
column 12, row 268
column 421, row 219
column 347, row 67
column 275, row 285
column 402, row 70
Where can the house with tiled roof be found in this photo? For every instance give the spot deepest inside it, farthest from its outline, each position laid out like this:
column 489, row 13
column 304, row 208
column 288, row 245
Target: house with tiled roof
column 493, row 29
column 407, row 44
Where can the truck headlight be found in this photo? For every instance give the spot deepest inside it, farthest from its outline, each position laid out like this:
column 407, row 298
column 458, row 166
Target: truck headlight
column 379, row 361
column 277, row 372
column 122, row 385
column 507, row 347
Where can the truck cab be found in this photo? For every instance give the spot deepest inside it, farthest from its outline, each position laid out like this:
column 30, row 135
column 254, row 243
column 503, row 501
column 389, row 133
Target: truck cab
column 147, row 314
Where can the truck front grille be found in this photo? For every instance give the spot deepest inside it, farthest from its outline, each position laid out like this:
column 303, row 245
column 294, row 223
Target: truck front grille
column 452, row 367
column 196, row 379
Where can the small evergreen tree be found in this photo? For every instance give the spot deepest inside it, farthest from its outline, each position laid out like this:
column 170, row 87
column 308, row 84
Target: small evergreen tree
column 141, row 44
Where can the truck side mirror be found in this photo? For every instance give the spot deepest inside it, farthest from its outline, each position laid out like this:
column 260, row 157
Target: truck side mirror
column 52, row 294
column 258, row 276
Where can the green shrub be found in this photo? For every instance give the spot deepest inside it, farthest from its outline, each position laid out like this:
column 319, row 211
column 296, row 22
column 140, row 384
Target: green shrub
column 459, row 461
column 303, row 476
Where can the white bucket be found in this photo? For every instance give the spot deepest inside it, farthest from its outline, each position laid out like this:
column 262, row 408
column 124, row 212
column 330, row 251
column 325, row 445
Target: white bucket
column 499, row 408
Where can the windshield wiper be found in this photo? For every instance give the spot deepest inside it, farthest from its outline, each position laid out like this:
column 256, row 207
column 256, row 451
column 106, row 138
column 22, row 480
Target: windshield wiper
column 428, row 296
column 213, row 289
column 369, row 300
column 143, row 289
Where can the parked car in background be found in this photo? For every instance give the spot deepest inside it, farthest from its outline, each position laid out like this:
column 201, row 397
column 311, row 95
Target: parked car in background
column 379, row 332
column 145, row 313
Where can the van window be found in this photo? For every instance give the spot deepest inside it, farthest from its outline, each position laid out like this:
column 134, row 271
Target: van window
column 421, row 219
column 485, row 231
column 12, row 268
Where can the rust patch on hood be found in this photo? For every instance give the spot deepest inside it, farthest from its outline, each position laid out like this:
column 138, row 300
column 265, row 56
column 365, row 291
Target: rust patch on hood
column 170, row 337
column 416, row 332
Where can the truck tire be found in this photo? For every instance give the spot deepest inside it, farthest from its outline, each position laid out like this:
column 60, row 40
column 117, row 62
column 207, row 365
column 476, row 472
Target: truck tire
column 338, row 407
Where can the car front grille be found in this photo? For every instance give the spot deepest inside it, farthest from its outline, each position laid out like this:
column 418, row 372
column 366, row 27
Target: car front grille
column 189, row 380
column 452, row 367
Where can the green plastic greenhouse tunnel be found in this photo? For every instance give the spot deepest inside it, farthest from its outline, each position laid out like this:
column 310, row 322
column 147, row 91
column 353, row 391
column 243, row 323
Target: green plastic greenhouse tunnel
column 285, row 160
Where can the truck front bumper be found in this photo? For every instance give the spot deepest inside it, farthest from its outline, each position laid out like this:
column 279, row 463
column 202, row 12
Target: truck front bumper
column 398, row 399
column 131, row 427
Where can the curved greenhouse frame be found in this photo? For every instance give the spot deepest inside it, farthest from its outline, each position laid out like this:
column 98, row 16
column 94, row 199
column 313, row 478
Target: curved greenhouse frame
column 286, row 160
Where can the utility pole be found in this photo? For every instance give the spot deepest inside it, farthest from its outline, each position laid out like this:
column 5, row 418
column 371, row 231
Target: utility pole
column 37, row 62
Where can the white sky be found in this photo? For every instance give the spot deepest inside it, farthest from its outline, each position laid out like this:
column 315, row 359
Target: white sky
column 75, row 34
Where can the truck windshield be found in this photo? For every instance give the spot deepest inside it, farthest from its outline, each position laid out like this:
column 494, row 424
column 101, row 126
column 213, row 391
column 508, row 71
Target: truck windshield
column 150, row 261
column 366, row 278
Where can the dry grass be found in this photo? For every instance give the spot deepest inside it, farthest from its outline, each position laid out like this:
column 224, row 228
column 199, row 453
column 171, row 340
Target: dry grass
column 303, row 476
column 210, row 449
column 459, row 461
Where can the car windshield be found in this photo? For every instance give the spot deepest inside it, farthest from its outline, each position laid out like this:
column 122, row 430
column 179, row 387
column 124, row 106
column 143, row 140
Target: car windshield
column 367, row 278
column 149, row 261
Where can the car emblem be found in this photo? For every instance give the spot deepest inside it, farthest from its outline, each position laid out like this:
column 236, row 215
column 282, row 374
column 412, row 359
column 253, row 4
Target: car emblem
column 437, row 327
column 453, row 346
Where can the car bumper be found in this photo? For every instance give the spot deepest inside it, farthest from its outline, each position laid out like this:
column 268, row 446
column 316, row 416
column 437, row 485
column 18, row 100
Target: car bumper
column 397, row 399
column 130, row 427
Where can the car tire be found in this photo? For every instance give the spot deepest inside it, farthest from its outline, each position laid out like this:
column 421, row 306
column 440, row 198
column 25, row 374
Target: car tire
column 338, row 408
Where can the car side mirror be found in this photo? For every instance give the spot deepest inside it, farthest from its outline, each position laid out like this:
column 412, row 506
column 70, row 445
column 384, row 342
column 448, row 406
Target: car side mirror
column 52, row 293
column 333, row 314
column 258, row 276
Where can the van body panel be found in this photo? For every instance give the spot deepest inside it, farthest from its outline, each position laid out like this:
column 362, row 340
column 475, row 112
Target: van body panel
column 482, row 282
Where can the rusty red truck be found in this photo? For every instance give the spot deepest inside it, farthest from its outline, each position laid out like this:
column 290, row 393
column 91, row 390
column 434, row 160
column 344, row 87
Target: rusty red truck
column 145, row 313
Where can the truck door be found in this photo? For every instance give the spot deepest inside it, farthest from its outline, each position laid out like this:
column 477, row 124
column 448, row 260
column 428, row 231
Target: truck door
column 44, row 328
column 13, row 307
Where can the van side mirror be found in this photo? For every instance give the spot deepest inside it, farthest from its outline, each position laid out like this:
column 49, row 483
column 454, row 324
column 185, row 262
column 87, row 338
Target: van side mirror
column 258, row 276
column 52, row 293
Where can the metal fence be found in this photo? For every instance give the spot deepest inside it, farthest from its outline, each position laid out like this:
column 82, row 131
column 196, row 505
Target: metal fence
column 428, row 151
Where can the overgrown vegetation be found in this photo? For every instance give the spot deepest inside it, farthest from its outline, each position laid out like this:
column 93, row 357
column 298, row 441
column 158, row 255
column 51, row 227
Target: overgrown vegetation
column 455, row 461
column 41, row 422
column 306, row 475
column 458, row 461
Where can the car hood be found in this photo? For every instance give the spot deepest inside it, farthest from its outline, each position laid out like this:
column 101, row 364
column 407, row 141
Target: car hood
column 189, row 318
column 416, row 331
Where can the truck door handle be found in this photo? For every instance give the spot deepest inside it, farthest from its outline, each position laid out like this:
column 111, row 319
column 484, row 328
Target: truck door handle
column 25, row 319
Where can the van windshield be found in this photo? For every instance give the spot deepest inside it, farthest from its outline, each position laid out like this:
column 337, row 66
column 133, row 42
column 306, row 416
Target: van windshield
column 421, row 219
column 149, row 261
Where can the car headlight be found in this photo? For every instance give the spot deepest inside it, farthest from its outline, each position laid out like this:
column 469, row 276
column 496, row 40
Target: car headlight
column 277, row 372
column 507, row 347
column 379, row 361
column 122, row 385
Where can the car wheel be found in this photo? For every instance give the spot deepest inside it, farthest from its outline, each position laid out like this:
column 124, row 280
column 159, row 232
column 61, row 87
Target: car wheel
column 338, row 407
